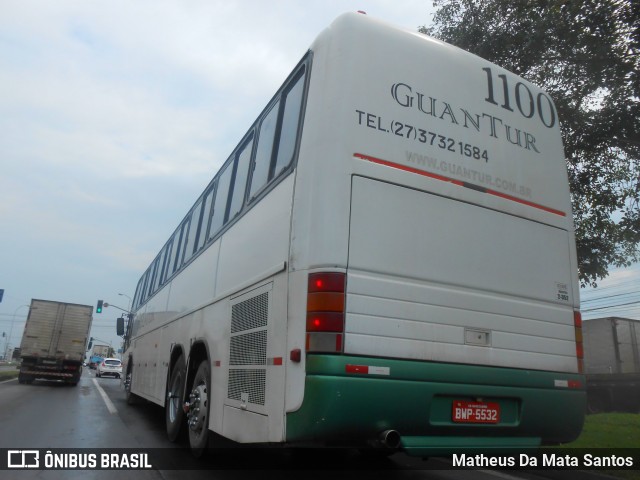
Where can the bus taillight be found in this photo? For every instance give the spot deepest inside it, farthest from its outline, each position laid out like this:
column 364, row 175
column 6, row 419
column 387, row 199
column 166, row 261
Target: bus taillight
column 325, row 312
column 577, row 324
column 325, row 322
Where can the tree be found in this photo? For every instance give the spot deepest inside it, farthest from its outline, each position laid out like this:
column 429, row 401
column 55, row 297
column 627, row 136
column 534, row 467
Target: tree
column 586, row 54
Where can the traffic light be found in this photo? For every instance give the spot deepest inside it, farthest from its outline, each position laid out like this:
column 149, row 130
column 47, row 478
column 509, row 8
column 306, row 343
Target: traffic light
column 99, row 307
column 90, row 343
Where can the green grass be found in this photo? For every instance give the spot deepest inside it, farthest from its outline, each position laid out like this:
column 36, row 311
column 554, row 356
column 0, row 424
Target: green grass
column 611, row 430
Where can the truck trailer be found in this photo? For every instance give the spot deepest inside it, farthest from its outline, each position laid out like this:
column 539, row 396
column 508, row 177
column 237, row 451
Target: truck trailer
column 54, row 341
column 612, row 364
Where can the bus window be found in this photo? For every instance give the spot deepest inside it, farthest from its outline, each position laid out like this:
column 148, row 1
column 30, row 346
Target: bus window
column 220, row 203
column 290, row 121
column 143, row 294
column 174, row 252
column 158, row 273
column 264, row 151
column 207, row 202
column 193, row 232
column 240, row 182
column 138, row 294
column 165, row 263
column 183, row 235
column 152, row 277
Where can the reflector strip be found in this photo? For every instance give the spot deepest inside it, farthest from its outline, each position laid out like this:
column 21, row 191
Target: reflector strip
column 567, row 383
column 406, row 168
column 324, row 342
column 46, row 374
column 577, row 323
column 274, row 361
column 367, row 370
column 459, row 183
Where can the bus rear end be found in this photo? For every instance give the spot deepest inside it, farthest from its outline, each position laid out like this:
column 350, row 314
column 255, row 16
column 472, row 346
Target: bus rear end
column 433, row 276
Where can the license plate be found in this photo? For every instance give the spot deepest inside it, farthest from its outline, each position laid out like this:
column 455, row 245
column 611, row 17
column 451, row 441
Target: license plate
column 475, row 412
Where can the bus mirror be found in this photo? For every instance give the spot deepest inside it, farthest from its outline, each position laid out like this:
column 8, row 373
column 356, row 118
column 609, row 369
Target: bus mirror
column 120, row 326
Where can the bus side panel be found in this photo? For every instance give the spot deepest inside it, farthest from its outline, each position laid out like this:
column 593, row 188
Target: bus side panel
column 195, row 286
column 258, row 243
column 152, row 350
column 253, row 256
column 144, row 365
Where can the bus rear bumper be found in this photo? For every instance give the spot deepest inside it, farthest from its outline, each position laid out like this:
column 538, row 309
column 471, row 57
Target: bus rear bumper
column 349, row 405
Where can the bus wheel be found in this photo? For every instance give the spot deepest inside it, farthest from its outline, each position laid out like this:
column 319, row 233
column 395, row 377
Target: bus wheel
column 597, row 402
column 174, row 413
column 198, row 415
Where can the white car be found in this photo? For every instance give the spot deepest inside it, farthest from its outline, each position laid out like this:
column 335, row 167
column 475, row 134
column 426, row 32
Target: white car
column 109, row 366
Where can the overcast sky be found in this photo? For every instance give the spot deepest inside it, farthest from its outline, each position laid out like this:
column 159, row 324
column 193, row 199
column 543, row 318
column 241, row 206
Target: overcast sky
column 115, row 115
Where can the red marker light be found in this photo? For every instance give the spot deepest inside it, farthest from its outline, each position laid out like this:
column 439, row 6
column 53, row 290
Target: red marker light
column 325, row 322
column 326, row 282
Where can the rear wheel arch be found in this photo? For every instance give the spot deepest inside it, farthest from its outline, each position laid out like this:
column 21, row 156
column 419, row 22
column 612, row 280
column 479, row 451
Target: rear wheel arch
column 174, row 396
column 131, row 398
column 199, row 352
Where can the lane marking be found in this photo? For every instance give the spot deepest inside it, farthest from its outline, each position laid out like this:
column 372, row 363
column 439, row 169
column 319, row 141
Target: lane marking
column 110, row 406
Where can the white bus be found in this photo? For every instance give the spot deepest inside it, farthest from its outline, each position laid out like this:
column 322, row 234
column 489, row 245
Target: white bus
column 386, row 258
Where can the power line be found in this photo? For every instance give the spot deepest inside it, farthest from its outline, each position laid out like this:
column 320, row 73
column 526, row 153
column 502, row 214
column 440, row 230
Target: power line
column 611, row 306
column 607, row 296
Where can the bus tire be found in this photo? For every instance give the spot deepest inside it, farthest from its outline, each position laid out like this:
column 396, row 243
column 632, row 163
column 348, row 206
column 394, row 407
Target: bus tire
column 198, row 416
column 131, row 398
column 598, row 401
column 174, row 413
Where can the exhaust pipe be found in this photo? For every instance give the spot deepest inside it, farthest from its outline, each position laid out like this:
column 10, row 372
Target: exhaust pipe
column 390, row 439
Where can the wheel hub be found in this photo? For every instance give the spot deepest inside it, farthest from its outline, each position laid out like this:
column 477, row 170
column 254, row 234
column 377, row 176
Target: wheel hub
column 197, row 414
